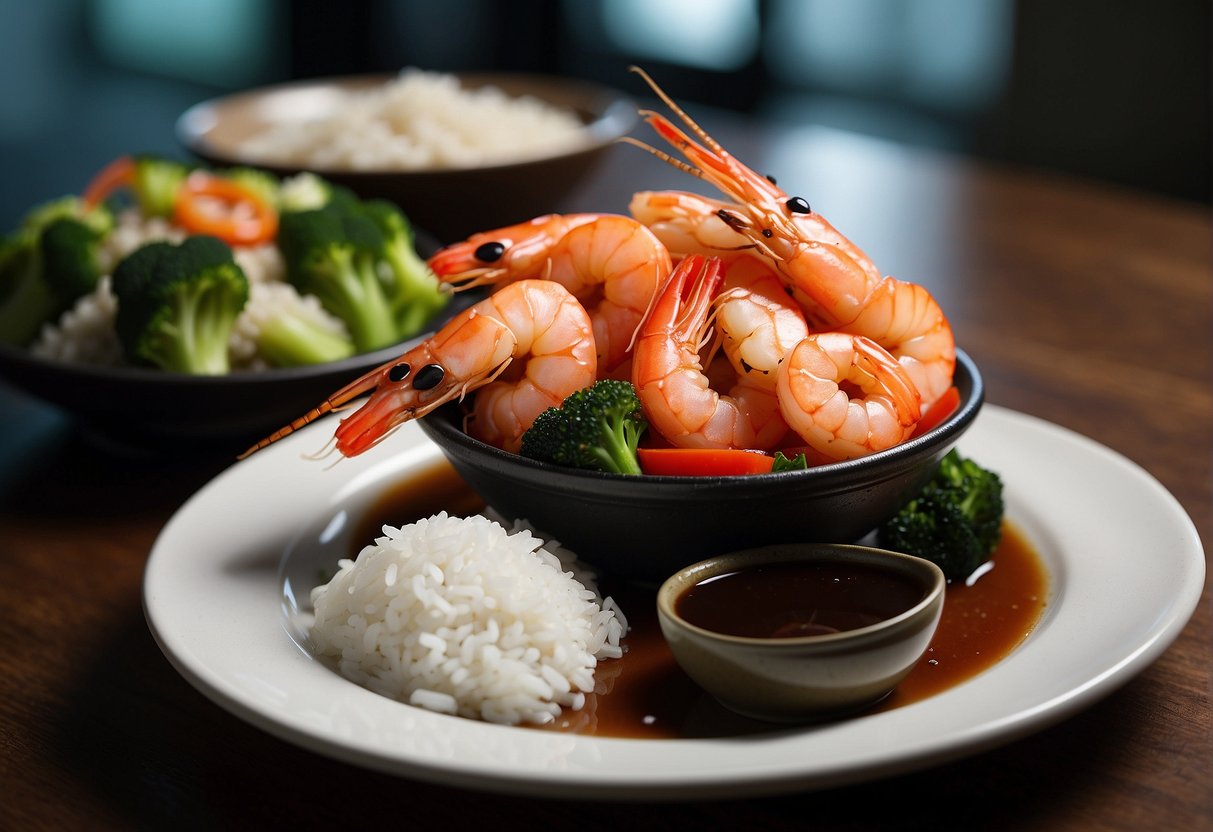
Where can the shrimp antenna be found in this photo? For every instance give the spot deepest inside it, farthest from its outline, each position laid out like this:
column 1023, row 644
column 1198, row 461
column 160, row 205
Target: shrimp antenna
column 678, row 111
column 661, row 154
column 323, row 451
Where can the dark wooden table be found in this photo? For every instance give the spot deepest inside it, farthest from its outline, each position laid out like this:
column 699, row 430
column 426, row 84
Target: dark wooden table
column 1088, row 306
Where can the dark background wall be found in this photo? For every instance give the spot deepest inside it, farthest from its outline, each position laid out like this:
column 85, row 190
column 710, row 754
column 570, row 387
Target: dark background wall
column 1116, row 91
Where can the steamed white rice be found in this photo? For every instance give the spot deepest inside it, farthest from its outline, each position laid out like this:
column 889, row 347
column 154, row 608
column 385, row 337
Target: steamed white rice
column 461, row 616
column 420, row 120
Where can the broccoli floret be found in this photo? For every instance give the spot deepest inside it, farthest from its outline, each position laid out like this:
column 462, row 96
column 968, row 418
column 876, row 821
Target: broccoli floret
column 287, row 331
column 47, row 263
column 156, row 182
column 99, row 218
column 288, row 339
column 177, row 304
column 332, row 253
column 260, row 182
column 955, row 521
column 598, row 427
column 412, row 289
column 26, row 300
column 71, row 258
column 306, row 191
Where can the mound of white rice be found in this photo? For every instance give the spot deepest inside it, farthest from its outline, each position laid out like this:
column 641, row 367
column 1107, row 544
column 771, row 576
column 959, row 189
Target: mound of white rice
column 461, row 616
column 420, row 120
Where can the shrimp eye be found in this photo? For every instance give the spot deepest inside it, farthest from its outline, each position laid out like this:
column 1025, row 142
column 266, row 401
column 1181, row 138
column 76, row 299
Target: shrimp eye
column 428, row 377
column 768, row 233
column 798, row 206
column 489, row 252
column 399, row 373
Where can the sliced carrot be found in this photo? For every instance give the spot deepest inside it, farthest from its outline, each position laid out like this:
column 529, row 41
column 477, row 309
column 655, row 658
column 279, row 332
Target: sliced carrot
column 118, row 174
column 702, row 462
column 225, row 209
column 938, row 412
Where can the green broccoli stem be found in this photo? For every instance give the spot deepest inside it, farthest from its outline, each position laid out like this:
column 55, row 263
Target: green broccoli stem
column 28, row 301
column 292, row 341
column 195, row 341
column 157, row 182
column 618, row 451
column 360, row 302
column 419, row 296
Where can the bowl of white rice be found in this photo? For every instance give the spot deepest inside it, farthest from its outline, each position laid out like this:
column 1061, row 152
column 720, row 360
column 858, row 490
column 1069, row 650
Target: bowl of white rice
column 457, row 152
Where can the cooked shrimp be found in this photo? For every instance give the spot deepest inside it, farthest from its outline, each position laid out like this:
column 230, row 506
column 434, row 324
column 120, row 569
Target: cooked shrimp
column 516, row 252
column 611, row 263
column 757, row 323
column 523, row 349
column 833, row 283
column 846, row 396
column 668, row 371
column 688, row 223
column 907, row 322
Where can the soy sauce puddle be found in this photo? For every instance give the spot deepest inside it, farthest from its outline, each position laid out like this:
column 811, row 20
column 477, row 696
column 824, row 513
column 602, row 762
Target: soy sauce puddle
column 645, row 695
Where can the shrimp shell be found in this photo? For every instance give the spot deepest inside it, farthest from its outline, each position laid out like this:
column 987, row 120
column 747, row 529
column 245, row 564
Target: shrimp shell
column 524, row 348
column 846, row 396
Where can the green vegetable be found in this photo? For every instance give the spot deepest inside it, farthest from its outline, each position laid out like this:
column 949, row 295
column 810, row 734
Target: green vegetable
column 155, row 183
column 177, row 304
column 412, row 289
column 263, row 184
column 306, row 191
column 782, row 463
column 26, row 300
column 333, row 253
column 47, row 264
column 956, row 521
column 71, row 257
column 598, row 428
column 99, row 219
column 290, row 339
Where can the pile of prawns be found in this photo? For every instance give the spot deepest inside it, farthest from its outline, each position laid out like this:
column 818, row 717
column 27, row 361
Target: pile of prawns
column 736, row 320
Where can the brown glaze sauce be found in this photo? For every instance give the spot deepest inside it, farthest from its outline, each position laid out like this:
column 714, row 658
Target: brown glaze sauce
column 788, row 600
column 645, row 695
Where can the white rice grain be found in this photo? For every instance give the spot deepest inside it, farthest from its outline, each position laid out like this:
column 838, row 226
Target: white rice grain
column 420, row 120
column 84, row 334
column 474, row 620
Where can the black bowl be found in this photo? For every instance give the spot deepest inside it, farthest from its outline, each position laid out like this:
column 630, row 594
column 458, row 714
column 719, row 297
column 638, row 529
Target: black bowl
column 648, row 527
column 452, row 203
column 146, row 409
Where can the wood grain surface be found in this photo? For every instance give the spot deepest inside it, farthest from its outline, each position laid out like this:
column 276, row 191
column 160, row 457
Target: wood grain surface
column 1088, row 306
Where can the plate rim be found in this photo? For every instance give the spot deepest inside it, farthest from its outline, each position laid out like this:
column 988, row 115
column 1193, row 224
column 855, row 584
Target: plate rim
column 196, row 664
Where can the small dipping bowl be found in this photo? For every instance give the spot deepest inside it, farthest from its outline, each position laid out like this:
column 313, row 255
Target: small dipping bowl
column 801, row 632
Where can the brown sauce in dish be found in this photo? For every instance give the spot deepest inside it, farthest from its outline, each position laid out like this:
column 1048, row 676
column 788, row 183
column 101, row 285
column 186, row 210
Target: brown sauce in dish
column 645, row 694
column 787, row 600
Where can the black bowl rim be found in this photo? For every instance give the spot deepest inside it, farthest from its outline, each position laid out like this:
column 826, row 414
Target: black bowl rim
column 125, row 375
column 614, row 115
column 842, row 475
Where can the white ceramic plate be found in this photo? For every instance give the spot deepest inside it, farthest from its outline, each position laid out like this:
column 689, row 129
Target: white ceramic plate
column 1127, row 569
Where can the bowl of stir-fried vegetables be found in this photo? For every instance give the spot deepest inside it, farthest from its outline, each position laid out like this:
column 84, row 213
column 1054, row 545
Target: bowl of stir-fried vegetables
column 170, row 304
